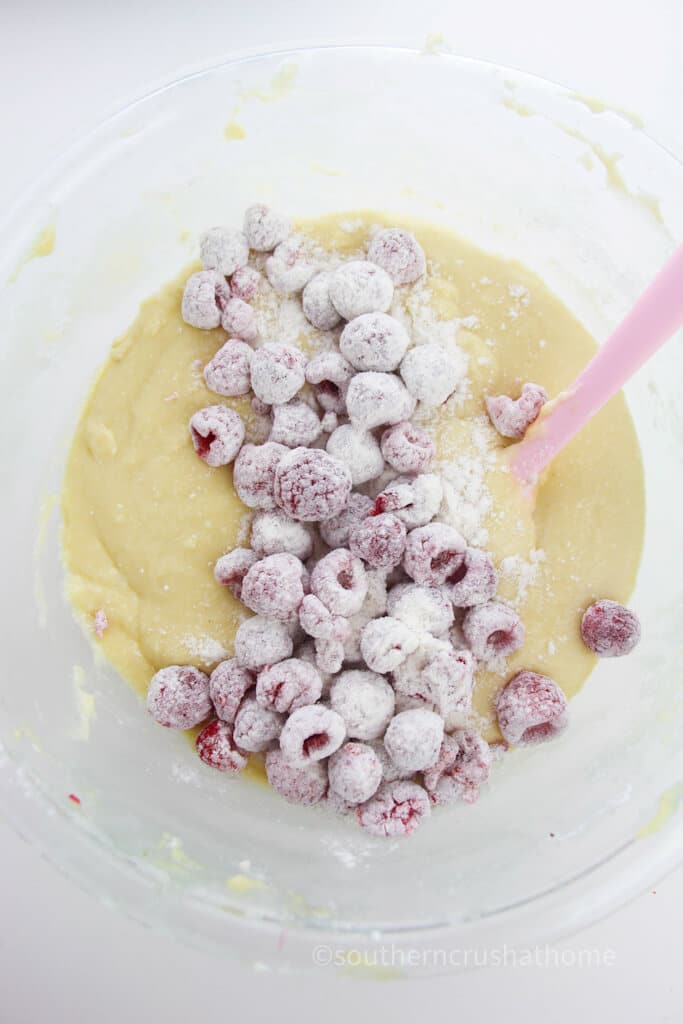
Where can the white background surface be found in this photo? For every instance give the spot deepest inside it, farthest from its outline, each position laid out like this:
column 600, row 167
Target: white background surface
column 62, row 64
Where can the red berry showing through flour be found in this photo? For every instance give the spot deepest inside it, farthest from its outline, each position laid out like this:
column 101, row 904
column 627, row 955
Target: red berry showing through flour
column 610, row 630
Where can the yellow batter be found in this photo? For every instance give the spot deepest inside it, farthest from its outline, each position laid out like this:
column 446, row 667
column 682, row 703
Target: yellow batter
column 145, row 519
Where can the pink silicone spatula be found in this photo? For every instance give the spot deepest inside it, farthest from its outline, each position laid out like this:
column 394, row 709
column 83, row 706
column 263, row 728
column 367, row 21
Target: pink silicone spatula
column 657, row 314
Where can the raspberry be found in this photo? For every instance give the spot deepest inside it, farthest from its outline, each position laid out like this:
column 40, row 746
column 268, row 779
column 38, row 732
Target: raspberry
column 374, row 341
column 339, row 580
column 414, row 500
column 178, row 697
column 264, row 228
column 217, row 434
column 413, row 689
column 422, row 608
column 448, row 679
column 254, row 474
column 229, row 372
column 512, row 417
column 306, row 785
column 316, row 302
column 274, row 533
column 295, row 425
column 239, row 320
column 463, row 766
column 358, row 450
column 610, row 630
column 385, row 643
column 329, row 375
column 359, row 287
column 228, row 685
column 245, row 283
column 390, row 771
column 277, row 372
column 223, row 250
column 319, row 622
column 413, row 739
column 354, row 772
column 365, row 701
column 204, row 299
column 493, row 630
column 329, row 656
column 379, row 540
column 433, row 554
column 273, row 587
column 531, row 709
column 407, row 448
column 291, row 266
column 475, row 582
column 256, row 728
column 310, row 485
column 217, row 748
column 375, row 604
column 431, row 372
column 395, row 810
column 289, row 685
column 399, row 253
column 261, row 642
column 336, row 532
column 311, row 733
column 231, row 569
column 375, row 399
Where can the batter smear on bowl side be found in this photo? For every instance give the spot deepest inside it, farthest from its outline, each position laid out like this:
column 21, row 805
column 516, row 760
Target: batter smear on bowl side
column 302, row 540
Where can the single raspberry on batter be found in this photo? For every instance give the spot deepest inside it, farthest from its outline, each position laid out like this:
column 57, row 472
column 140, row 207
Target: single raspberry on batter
column 475, row 582
column 413, row 739
column 217, row 748
column 204, row 299
column 289, row 685
column 407, row 448
column 329, row 374
column 358, row 287
column 264, row 228
column 376, row 399
column 245, row 283
column 229, row 683
column 260, row 642
column 359, row 451
column 311, row 733
column 513, row 416
column 178, row 697
column 223, row 249
column 463, row 766
column 256, row 728
column 217, row 434
column 231, row 569
column 374, row 341
column 448, row 680
column 229, row 372
column 310, row 485
column 434, row 554
column 531, row 709
column 379, row 540
column 317, row 304
column 254, row 473
column 304, row 785
column 273, row 587
column 395, row 810
column 239, row 320
column 399, row 253
column 295, row 425
column 277, row 372
column 354, row 772
column 431, row 372
column 493, row 630
column 609, row 629
column 292, row 265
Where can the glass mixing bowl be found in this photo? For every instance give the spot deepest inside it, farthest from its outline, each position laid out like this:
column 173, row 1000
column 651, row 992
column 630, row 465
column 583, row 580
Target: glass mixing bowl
column 517, row 165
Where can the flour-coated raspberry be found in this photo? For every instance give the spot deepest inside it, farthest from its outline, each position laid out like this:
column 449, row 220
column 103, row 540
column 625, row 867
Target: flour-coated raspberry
column 399, row 253
column 448, row 680
column 310, row 485
column 385, row 643
column 329, row 374
column 274, row 533
column 415, row 500
column 205, row 296
column 254, row 473
column 475, row 582
column 311, row 733
column 337, row 531
column 513, row 416
column 277, row 372
column 256, row 728
column 413, row 739
column 609, row 629
column 423, row 608
column 379, row 540
column 358, row 287
column 245, row 283
column 260, row 642
column 531, row 709
column 291, row 684
column 374, row 341
column 291, row 266
column 229, row 683
column 407, row 448
column 316, row 302
column 231, row 568
column 273, row 587
column 339, row 580
column 396, row 809
column 239, row 320
column 365, row 701
column 463, row 766
column 329, row 655
column 264, row 228
column 178, row 697
column 217, row 434
column 377, row 399
column 319, row 622
column 305, row 785
column 431, row 372
column 217, row 748
column 354, row 772
column 358, row 450
column 295, row 424
column 433, row 554
column 223, row 249
column 493, row 630
column 229, row 372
